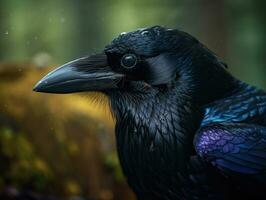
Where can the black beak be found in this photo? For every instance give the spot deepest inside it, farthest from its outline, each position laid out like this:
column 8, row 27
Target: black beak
column 90, row 73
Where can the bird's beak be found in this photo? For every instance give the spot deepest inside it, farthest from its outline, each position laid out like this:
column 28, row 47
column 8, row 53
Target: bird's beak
column 90, row 73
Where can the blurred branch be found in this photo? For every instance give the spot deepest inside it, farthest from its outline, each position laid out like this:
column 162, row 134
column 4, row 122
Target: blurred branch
column 214, row 24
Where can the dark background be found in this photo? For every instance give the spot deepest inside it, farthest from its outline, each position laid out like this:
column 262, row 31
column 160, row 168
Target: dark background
column 63, row 145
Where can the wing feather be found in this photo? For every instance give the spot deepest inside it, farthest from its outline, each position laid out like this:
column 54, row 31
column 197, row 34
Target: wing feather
column 239, row 148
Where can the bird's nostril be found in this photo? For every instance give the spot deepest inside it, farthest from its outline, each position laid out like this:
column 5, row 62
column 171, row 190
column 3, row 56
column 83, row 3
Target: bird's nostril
column 121, row 83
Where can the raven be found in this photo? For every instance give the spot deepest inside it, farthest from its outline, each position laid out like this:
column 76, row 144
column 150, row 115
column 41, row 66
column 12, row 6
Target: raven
column 185, row 127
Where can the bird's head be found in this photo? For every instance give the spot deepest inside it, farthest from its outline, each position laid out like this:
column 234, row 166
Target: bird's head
column 149, row 58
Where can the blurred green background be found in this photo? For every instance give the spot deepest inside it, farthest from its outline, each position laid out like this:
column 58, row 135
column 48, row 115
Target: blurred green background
column 63, row 145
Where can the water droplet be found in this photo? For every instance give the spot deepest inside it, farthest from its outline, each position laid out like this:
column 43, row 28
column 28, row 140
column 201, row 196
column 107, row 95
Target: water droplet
column 145, row 33
column 6, row 33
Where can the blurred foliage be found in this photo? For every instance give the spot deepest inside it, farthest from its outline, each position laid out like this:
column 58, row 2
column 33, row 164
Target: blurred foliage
column 25, row 166
column 56, row 144
column 60, row 30
column 64, row 144
column 113, row 162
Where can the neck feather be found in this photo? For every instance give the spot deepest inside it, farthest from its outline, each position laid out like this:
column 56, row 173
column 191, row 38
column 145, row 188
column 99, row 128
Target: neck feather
column 156, row 122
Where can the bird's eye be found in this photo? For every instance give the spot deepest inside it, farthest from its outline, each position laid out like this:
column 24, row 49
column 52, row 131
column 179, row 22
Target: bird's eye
column 129, row 61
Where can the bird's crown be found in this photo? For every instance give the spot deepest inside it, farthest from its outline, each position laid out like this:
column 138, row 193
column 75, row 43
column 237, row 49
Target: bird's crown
column 149, row 41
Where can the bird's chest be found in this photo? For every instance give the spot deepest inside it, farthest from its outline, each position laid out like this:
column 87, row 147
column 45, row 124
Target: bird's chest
column 146, row 143
column 148, row 152
column 154, row 142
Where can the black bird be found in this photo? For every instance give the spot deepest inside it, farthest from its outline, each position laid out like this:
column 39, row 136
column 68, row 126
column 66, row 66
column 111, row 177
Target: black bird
column 185, row 127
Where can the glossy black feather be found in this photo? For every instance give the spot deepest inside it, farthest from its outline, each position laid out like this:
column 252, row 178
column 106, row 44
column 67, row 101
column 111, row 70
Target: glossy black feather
column 166, row 90
column 189, row 89
column 237, row 147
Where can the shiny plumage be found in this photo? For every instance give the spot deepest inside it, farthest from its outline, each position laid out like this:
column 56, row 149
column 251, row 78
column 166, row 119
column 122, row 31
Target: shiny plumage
column 229, row 160
column 185, row 127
